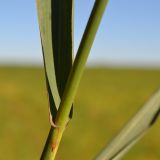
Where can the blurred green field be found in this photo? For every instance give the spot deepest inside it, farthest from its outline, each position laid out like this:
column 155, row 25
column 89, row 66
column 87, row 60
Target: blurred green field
column 105, row 100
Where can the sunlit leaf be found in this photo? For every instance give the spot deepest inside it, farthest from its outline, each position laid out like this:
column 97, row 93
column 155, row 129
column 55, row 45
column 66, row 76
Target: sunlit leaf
column 55, row 22
column 133, row 131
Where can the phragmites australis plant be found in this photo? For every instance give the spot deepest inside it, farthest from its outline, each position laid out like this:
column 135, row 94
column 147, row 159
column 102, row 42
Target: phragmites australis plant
column 63, row 75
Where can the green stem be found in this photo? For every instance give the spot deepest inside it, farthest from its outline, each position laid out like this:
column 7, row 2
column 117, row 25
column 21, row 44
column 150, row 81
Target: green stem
column 74, row 79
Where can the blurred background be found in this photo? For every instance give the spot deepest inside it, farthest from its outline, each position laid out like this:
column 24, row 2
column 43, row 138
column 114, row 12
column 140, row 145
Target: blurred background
column 122, row 72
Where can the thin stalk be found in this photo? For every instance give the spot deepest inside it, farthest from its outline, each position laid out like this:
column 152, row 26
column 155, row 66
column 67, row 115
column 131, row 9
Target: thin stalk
column 74, row 79
column 57, row 47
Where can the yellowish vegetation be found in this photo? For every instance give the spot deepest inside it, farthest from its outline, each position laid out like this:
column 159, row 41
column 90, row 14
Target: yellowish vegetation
column 106, row 99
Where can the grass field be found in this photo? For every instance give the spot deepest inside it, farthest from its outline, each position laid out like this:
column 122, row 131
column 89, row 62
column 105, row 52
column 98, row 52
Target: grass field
column 106, row 99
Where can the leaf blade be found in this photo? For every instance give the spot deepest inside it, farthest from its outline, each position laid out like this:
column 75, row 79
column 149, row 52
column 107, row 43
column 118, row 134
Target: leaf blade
column 133, row 130
column 44, row 12
column 57, row 46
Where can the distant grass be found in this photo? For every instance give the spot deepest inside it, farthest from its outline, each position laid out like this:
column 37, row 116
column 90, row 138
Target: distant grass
column 106, row 99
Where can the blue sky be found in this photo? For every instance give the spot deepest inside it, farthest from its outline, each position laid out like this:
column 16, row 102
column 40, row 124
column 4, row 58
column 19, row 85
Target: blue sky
column 128, row 35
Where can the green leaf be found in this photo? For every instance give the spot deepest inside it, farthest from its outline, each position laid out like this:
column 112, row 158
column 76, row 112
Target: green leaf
column 133, row 131
column 55, row 22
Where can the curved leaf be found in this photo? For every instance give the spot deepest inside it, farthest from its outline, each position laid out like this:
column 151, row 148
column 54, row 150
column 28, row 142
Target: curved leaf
column 55, row 22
